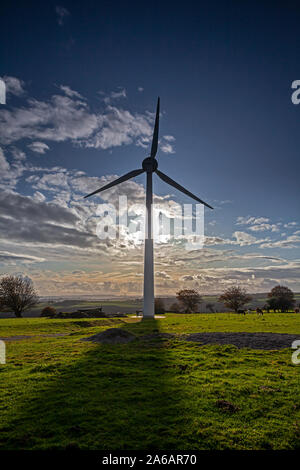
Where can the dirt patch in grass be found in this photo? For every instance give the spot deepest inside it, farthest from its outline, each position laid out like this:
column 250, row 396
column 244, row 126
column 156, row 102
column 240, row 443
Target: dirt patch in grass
column 266, row 341
column 112, row 336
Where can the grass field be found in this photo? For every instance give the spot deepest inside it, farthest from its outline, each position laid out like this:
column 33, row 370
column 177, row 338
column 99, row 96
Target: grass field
column 58, row 392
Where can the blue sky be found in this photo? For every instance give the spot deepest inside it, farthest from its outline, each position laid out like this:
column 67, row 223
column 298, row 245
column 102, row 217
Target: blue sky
column 82, row 82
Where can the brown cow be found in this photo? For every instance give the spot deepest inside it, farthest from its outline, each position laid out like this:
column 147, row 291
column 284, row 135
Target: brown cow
column 259, row 311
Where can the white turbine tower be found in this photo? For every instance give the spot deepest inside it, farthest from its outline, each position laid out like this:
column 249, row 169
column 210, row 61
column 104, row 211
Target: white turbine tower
column 149, row 166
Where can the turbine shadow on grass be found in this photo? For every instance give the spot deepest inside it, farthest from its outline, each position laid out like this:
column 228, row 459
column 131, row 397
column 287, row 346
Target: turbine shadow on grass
column 114, row 397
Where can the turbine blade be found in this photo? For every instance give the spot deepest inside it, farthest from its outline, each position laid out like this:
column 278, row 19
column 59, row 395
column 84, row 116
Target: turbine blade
column 173, row 183
column 155, row 132
column 126, row 177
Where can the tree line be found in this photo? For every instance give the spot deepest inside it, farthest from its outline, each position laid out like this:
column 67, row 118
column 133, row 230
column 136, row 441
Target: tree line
column 280, row 299
column 17, row 294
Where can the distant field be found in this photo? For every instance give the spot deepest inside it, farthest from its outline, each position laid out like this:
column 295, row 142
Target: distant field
column 109, row 306
column 131, row 305
column 57, row 392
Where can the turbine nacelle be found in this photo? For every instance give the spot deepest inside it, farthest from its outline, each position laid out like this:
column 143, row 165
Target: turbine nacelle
column 150, row 164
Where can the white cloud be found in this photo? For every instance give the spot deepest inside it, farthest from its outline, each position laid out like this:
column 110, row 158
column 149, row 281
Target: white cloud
column 225, row 201
column 69, row 92
column 165, row 144
column 140, row 89
column 239, row 238
column 49, row 182
column 9, row 173
column 187, row 278
column 59, row 119
column 210, row 241
column 18, row 154
column 162, row 275
column 68, row 118
column 290, row 224
column 4, row 165
column 244, row 238
column 39, row 147
column 167, row 148
column 14, row 86
column 119, row 127
column 263, row 226
column 115, row 95
column 36, row 223
column 7, row 258
column 251, row 220
column 258, row 224
column 39, row 197
column 289, row 242
column 257, row 279
column 61, row 13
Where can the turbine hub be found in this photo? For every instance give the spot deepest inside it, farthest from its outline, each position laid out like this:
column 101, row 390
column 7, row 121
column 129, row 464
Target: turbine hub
column 150, row 164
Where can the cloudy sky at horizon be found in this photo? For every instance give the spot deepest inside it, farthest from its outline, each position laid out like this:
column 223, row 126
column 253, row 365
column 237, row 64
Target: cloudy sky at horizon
column 82, row 83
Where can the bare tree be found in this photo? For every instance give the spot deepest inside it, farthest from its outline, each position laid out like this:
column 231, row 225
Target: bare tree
column 235, row 298
column 17, row 293
column 189, row 299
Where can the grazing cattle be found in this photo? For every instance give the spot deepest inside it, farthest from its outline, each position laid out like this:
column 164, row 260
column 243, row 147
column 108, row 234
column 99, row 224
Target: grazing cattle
column 296, row 310
column 242, row 311
column 259, row 311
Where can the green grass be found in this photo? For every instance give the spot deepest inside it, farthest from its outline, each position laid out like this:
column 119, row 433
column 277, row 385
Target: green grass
column 44, row 326
column 159, row 395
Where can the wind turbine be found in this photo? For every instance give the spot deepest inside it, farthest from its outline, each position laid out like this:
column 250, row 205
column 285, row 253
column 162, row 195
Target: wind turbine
column 149, row 166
